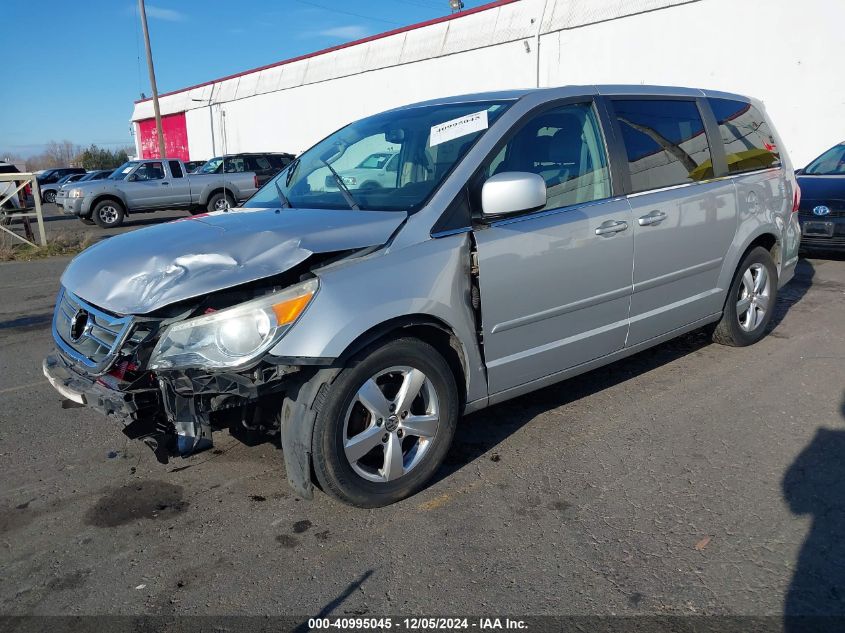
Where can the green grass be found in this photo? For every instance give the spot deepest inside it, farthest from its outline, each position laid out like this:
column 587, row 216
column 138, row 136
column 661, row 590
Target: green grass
column 62, row 244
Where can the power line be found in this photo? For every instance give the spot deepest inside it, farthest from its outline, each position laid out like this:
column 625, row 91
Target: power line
column 357, row 15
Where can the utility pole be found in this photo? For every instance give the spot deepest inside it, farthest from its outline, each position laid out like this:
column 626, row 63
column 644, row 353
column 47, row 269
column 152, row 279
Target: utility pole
column 150, row 67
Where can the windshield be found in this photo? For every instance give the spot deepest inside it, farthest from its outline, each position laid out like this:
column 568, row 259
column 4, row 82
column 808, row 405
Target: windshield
column 428, row 141
column 210, row 167
column 121, row 172
column 831, row 163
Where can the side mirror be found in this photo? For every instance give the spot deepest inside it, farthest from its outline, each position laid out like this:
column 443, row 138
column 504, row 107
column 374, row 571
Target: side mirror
column 512, row 192
column 798, row 172
column 132, row 177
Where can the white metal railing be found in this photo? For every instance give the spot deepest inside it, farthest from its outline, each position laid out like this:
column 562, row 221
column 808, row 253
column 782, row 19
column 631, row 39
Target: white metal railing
column 22, row 180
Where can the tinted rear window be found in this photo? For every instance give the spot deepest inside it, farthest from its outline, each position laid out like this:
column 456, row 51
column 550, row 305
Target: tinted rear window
column 749, row 143
column 665, row 142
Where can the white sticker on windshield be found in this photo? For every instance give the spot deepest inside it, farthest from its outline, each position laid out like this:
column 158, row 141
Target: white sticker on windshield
column 126, row 171
column 458, row 127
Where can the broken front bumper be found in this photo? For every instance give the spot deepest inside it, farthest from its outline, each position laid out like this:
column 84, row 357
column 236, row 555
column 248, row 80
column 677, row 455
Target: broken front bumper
column 96, row 394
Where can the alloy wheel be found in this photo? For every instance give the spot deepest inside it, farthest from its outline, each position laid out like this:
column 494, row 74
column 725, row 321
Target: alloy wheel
column 391, row 424
column 754, row 297
column 108, row 214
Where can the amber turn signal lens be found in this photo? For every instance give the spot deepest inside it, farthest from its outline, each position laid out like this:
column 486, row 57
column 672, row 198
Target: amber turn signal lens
column 287, row 311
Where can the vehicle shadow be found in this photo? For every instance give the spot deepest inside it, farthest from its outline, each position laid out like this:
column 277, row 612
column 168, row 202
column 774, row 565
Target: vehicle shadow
column 793, row 292
column 813, row 485
column 480, row 432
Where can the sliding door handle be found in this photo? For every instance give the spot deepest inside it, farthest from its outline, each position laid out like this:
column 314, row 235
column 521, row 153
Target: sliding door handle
column 655, row 217
column 611, row 226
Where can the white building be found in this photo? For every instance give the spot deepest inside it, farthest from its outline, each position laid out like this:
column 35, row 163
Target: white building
column 781, row 52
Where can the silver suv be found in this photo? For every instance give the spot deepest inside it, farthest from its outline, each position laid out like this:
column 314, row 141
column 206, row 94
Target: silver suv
column 525, row 237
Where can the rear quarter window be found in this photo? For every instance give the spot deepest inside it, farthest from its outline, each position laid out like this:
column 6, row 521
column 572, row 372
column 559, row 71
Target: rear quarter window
column 664, row 141
column 747, row 137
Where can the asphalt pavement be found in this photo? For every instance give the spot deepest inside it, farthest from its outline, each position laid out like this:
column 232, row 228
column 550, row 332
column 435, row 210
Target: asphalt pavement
column 690, row 479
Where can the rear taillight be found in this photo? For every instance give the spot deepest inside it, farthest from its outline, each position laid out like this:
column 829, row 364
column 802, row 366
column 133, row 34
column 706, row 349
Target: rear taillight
column 796, row 198
column 255, row 180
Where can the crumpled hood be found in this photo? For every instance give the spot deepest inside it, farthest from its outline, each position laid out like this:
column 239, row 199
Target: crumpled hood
column 142, row 271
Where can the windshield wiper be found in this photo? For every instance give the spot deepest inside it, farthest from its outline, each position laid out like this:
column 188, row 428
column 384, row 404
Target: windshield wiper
column 344, row 190
column 283, row 201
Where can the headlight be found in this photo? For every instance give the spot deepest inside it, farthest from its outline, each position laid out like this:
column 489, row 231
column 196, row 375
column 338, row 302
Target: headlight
column 234, row 336
column 75, row 193
column 349, row 180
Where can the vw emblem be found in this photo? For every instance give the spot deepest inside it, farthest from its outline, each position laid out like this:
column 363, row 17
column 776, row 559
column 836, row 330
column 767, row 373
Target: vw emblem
column 391, row 424
column 78, row 325
column 821, row 210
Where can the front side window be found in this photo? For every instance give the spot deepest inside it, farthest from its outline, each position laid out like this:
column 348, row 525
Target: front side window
column 150, row 171
column 234, row 165
column 258, row 163
column 564, row 146
column 748, row 139
column 831, row 163
column 427, row 140
column 664, row 141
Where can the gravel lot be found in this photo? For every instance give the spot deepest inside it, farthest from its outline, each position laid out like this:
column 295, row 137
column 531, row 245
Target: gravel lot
column 689, row 479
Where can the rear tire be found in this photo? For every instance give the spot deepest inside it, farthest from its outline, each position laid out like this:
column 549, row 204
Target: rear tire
column 108, row 214
column 220, row 202
column 751, row 301
column 369, row 455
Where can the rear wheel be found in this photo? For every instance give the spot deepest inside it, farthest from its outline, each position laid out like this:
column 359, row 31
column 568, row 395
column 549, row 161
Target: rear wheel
column 385, row 424
column 751, row 301
column 220, row 202
column 108, row 214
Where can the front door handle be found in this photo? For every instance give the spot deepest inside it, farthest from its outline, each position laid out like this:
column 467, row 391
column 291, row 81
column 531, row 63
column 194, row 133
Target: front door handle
column 611, row 226
column 655, row 217
column 165, row 183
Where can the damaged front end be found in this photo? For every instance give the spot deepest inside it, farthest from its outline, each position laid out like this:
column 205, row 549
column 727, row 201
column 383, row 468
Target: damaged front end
column 170, row 328
column 174, row 411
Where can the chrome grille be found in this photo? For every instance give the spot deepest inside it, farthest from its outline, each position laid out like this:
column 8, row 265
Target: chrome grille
column 87, row 334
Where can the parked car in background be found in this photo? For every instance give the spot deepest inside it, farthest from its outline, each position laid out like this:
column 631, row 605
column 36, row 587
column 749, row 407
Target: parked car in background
column 144, row 186
column 98, row 174
column 375, row 171
column 528, row 236
column 264, row 165
column 50, row 176
column 192, row 165
column 822, row 213
column 48, row 192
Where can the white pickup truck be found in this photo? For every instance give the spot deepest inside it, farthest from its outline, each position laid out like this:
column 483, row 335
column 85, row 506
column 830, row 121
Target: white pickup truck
column 143, row 186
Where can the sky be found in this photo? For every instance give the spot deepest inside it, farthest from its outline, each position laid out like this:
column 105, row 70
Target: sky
column 79, row 66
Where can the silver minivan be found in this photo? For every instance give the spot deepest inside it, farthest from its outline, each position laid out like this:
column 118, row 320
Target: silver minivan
column 524, row 237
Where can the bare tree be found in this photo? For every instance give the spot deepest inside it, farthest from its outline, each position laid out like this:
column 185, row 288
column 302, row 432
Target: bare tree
column 61, row 153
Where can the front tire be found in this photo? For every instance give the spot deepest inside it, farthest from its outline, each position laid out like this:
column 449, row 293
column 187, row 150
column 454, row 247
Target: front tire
column 108, row 214
column 385, row 424
column 49, row 197
column 220, row 202
column 751, row 301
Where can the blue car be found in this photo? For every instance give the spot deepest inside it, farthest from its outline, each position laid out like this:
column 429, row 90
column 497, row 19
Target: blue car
column 822, row 210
